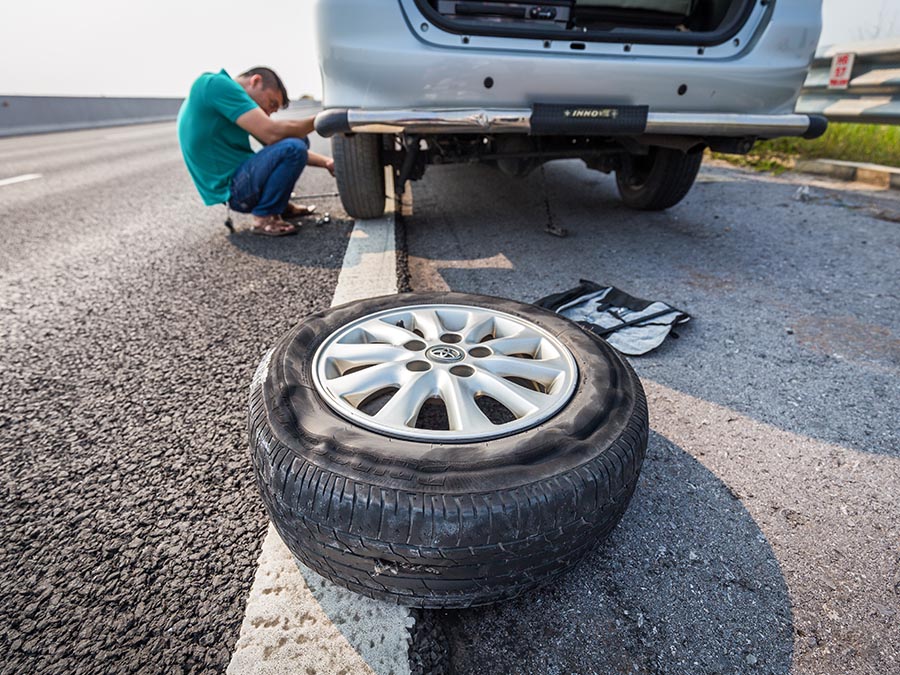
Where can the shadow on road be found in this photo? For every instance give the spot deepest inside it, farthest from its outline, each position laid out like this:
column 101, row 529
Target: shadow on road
column 293, row 249
column 687, row 583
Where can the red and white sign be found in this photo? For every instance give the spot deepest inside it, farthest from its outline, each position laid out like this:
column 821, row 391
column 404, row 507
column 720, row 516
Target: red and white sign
column 841, row 70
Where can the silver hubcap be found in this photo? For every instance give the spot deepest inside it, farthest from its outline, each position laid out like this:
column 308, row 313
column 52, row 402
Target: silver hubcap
column 444, row 373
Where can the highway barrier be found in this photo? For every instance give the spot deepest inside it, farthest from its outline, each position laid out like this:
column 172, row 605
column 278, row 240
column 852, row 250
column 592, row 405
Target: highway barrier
column 855, row 82
column 21, row 115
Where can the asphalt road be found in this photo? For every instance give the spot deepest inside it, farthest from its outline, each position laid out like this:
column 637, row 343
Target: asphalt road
column 131, row 325
column 764, row 536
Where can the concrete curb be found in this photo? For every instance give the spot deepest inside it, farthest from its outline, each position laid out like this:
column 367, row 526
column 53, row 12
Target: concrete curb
column 874, row 174
column 296, row 621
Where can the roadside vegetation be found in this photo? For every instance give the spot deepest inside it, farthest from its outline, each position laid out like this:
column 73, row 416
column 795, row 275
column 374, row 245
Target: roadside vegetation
column 876, row 143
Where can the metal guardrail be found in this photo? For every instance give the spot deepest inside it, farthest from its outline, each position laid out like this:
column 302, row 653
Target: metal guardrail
column 873, row 92
column 21, row 115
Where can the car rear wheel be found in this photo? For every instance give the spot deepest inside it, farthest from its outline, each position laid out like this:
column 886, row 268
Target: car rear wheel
column 444, row 450
column 359, row 172
column 658, row 180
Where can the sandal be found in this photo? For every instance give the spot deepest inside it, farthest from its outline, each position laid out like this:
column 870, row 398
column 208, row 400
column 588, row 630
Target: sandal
column 298, row 210
column 273, row 226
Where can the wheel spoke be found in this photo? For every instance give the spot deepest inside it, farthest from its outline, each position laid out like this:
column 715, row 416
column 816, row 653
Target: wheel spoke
column 387, row 332
column 349, row 355
column 404, row 406
column 430, row 324
column 462, row 410
column 478, row 327
column 515, row 345
column 355, row 387
column 542, row 371
column 519, row 400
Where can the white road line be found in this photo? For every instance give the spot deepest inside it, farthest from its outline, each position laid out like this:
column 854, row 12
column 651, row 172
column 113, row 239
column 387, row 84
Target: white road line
column 296, row 621
column 19, row 179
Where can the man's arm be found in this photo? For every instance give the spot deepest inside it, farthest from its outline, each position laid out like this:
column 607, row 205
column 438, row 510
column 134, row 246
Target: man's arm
column 268, row 131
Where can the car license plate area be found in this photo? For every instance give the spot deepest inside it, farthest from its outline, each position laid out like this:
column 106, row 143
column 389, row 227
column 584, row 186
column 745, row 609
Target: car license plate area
column 594, row 120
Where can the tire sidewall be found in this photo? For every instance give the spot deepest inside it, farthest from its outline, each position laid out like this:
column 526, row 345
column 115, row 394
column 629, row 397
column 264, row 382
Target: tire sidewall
column 592, row 420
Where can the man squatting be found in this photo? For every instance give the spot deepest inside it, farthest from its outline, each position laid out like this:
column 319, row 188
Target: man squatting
column 214, row 127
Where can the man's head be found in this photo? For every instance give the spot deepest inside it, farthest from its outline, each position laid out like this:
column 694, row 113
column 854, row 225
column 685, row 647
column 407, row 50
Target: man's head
column 264, row 87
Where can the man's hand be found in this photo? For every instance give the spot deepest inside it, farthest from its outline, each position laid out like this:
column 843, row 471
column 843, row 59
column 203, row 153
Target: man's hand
column 315, row 159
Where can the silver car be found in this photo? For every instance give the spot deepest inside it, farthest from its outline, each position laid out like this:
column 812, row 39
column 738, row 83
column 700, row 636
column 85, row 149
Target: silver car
column 635, row 87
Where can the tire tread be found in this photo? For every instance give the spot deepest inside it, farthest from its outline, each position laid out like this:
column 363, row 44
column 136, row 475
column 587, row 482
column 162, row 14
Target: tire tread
column 359, row 174
column 406, row 545
column 670, row 179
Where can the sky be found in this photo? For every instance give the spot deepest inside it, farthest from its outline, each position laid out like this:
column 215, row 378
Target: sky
column 158, row 47
column 151, row 47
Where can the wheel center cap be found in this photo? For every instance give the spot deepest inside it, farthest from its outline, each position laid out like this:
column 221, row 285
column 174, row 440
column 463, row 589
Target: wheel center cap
column 444, row 354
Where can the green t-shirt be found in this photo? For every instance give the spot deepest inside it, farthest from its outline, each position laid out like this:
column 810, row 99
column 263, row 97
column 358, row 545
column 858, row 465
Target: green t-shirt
column 212, row 144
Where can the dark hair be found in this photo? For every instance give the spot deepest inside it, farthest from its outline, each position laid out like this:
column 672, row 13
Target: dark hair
column 270, row 80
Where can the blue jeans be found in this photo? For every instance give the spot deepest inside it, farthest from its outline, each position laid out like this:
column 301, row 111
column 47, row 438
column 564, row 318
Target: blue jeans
column 263, row 183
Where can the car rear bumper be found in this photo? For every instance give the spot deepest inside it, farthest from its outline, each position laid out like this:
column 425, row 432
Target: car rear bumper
column 602, row 122
column 372, row 58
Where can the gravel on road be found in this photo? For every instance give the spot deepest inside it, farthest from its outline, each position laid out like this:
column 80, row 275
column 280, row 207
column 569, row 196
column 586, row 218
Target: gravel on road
column 764, row 535
column 131, row 324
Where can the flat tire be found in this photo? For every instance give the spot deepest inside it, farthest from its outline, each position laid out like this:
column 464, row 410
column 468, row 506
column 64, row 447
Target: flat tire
column 418, row 516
